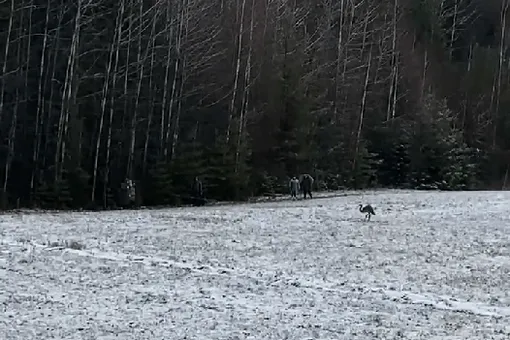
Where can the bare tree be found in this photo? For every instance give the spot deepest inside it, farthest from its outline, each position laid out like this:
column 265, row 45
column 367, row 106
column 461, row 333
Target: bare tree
column 365, row 92
column 166, row 116
column 497, row 90
column 40, row 101
column 104, row 100
column 178, row 58
column 150, row 49
column 6, row 58
column 237, row 68
column 246, row 92
column 70, row 80
column 392, row 94
column 12, row 129
column 120, row 21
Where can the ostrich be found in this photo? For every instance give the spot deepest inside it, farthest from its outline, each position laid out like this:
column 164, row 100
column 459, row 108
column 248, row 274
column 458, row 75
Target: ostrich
column 368, row 210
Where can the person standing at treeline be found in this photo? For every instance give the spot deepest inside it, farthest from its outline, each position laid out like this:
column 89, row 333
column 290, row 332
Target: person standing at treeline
column 294, row 187
column 306, row 183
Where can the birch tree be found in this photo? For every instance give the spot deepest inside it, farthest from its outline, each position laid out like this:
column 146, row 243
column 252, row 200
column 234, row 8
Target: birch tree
column 392, row 94
column 150, row 50
column 12, row 129
column 118, row 34
column 104, row 101
column 40, row 101
column 246, row 92
column 178, row 58
column 166, row 112
column 502, row 47
column 70, row 80
column 140, row 59
column 6, row 57
column 237, row 70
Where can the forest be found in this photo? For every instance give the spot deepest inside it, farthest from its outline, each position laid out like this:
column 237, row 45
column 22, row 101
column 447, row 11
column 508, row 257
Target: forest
column 247, row 93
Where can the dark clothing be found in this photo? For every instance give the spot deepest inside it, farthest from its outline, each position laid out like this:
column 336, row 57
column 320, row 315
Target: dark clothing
column 127, row 194
column 306, row 184
column 198, row 193
column 197, row 188
column 198, row 201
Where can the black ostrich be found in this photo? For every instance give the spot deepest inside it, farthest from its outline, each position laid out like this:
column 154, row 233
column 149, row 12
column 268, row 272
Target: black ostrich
column 368, row 210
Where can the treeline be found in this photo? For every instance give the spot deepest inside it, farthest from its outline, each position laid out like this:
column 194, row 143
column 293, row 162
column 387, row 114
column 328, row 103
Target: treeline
column 245, row 93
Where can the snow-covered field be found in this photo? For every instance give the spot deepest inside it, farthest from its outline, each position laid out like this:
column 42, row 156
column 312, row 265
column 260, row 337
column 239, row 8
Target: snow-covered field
column 428, row 266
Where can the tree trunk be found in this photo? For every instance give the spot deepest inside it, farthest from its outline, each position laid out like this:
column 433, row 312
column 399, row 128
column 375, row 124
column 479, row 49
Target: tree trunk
column 392, row 95
column 237, row 71
column 246, row 94
column 504, row 11
column 106, row 89
column 178, row 58
column 12, row 129
column 164, row 114
column 127, row 97
column 362, row 110
column 141, row 64
column 50, row 80
column 151, row 100
column 67, row 95
column 106, row 178
column 6, row 58
column 40, row 107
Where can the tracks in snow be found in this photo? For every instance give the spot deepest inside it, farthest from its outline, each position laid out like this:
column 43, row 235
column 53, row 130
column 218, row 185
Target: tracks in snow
column 276, row 279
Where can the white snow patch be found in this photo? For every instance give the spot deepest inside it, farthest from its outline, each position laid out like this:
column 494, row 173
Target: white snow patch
column 428, row 266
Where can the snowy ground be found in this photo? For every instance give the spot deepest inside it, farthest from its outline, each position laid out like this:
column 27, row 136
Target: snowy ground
column 428, row 266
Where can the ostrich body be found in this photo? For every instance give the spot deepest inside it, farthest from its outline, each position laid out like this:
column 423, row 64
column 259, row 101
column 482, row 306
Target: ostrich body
column 368, row 210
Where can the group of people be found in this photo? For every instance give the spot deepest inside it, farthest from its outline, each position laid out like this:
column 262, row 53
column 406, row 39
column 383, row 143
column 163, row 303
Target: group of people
column 303, row 184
